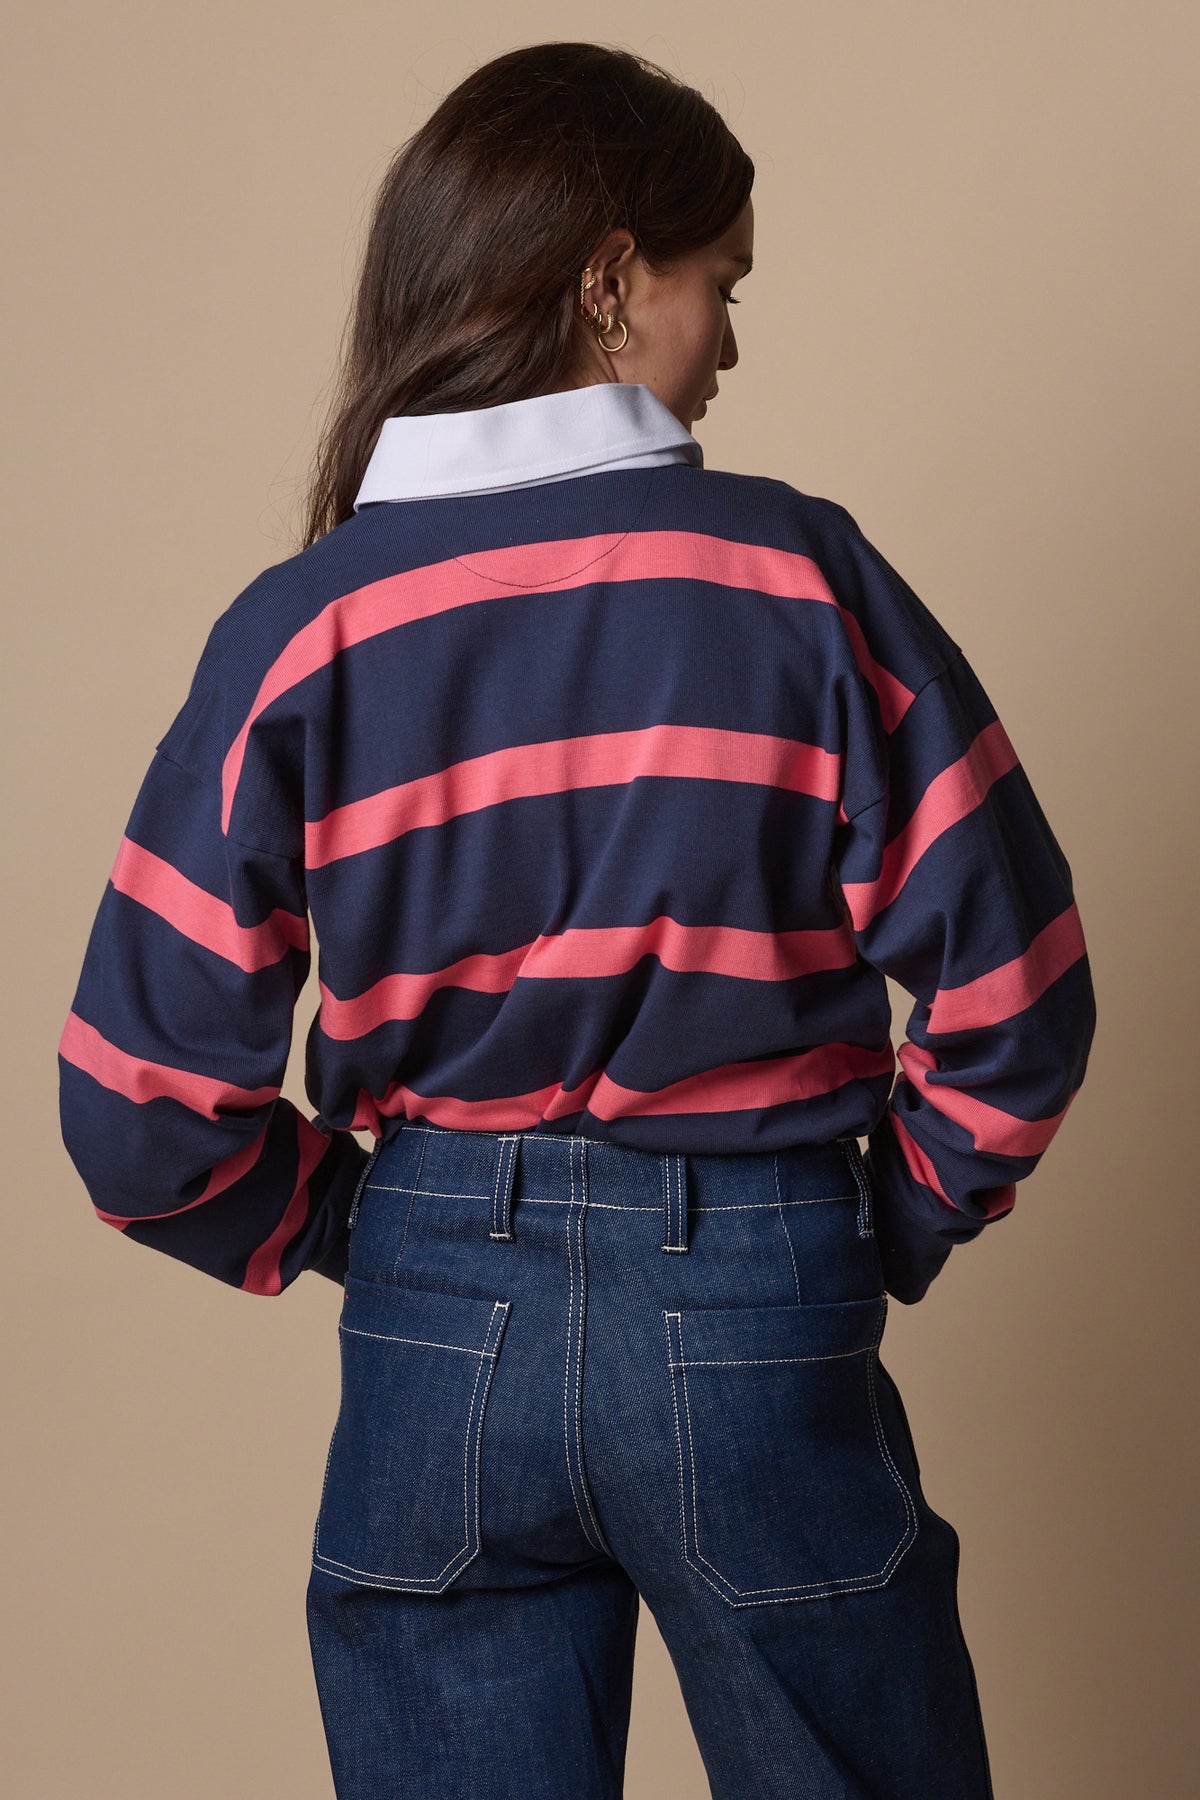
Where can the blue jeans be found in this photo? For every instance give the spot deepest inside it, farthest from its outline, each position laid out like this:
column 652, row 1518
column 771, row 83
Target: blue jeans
column 573, row 1374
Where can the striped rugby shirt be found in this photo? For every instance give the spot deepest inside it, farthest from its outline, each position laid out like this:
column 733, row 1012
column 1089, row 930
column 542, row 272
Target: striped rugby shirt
column 611, row 788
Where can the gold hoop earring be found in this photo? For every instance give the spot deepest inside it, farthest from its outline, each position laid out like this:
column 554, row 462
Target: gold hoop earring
column 608, row 325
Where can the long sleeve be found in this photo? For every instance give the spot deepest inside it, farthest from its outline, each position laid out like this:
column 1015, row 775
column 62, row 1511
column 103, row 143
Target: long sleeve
column 174, row 1051
column 957, row 890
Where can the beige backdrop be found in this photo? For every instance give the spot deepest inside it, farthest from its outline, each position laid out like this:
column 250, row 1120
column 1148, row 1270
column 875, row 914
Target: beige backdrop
column 973, row 323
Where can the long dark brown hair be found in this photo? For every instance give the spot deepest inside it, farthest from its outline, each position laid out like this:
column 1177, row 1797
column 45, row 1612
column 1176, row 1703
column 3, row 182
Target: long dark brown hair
column 484, row 221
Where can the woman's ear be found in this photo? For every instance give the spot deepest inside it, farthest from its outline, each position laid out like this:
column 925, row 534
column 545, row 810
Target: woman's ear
column 614, row 265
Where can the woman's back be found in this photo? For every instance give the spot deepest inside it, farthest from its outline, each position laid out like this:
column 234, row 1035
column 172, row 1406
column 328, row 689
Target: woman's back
column 613, row 798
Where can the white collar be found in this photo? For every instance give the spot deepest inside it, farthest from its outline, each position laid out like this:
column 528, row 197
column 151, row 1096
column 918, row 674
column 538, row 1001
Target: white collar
column 523, row 443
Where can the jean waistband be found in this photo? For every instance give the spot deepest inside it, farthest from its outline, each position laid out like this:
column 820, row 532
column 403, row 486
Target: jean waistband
column 503, row 1167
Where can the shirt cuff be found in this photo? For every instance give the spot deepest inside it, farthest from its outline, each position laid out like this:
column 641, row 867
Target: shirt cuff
column 336, row 1260
column 915, row 1229
column 351, row 1159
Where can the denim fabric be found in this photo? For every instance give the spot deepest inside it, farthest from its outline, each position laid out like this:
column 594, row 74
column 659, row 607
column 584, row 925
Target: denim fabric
column 574, row 1375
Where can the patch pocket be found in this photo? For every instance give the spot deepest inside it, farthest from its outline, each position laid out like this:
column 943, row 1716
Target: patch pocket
column 400, row 1500
column 789, row 1489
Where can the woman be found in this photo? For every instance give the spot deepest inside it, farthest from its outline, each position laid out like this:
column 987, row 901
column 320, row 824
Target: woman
column 615, row 787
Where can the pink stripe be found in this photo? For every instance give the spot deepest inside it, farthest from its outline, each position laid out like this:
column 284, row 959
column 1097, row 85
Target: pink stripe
column 262, row 1271
column 1000, row 1200
column 82, row 1045
column 222, row 1176
column 201, row 916
column 1008, row 990
column 694, row 752
column 949, row 798
column 439, row 587
column 591, row 952
column 992, row 1131
column 736, row 1087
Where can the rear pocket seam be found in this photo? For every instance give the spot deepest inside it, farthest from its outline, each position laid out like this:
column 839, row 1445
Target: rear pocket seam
column 777, row 1593
column 469, row 1549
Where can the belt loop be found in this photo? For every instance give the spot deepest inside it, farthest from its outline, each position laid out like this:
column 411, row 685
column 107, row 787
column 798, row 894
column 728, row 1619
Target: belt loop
column 502, row 1186
column 675, row 1200
column 866, row 1210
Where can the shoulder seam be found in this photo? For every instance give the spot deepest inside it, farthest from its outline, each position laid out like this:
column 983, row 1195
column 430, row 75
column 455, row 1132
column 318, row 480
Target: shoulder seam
column 201, row 781
column 927, row 683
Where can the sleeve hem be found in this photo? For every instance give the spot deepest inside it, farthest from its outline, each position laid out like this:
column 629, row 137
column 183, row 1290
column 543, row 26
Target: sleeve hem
column 333, row 1259
column 915, row 1230
column 336, row 1261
